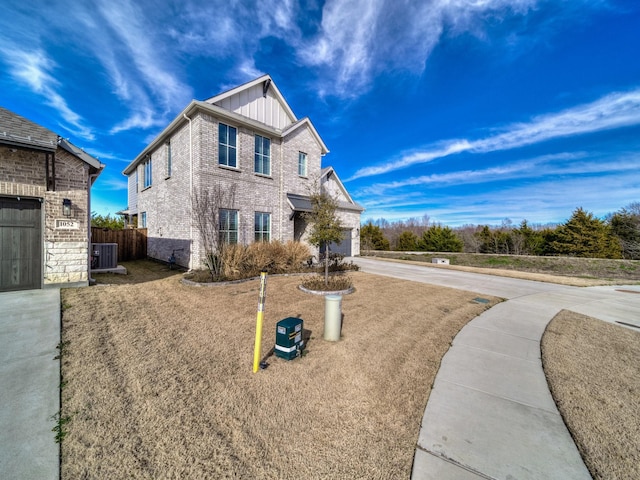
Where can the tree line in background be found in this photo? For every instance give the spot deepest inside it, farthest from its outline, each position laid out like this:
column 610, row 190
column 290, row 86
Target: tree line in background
column 583, row 235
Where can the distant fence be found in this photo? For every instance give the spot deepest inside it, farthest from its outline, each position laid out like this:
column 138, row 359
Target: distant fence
column 132, row 243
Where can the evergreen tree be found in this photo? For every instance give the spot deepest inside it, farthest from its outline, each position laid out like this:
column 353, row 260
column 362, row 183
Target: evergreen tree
column 407, row 242
column 371, row 238
column 625, row 225
column 584, row 235
column 440, row 239
column 107, row 221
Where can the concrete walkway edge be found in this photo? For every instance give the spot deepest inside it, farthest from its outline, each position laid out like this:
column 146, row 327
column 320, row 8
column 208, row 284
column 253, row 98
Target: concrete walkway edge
column 30, row 379
column 490, row 414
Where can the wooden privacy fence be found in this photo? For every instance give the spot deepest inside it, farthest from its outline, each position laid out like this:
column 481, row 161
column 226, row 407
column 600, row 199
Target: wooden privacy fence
column 132, row 243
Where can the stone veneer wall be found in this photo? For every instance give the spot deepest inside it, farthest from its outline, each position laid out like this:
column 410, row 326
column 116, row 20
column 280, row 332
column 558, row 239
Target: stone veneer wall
column 65, row 252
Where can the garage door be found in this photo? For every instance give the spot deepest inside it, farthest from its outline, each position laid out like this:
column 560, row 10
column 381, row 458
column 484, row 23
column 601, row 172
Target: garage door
column 344, row 247
column 20, row 244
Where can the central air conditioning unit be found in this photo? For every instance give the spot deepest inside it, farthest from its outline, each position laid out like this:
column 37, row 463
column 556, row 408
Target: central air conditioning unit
column 104, row 255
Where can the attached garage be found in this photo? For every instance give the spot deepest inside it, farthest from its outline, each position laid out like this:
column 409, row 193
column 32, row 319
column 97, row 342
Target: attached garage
column 344, row 247
column 45, row 184
column 20, row 244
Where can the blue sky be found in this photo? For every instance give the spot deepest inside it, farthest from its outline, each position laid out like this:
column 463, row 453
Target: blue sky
column 468, row 111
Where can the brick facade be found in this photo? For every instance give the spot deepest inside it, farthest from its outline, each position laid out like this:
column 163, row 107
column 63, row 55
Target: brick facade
column 193, row 137
column 23, row 174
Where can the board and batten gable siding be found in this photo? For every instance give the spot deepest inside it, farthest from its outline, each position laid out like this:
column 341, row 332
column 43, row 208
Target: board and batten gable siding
column 252, row 104
column 132, row 194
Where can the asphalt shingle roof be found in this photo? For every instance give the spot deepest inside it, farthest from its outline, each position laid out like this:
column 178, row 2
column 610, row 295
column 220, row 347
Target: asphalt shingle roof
column 17, row 130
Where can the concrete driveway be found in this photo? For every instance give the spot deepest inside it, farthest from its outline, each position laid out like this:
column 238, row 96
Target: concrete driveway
column 490, row 413
column 30, row 384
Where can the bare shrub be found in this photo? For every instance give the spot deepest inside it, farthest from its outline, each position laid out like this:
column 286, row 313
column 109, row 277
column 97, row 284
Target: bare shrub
column 234, row 261
column 333, row 283
column 297, row 254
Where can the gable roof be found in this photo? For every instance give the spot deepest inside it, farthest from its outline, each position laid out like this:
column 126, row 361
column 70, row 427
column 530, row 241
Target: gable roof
column 307, row 122
column 302, row 203
column 240, row 99
column 223, row 106
column 20, row 132
column 329, row 172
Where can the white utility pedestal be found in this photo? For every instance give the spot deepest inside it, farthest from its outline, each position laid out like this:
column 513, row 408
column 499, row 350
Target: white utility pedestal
column 332, row 317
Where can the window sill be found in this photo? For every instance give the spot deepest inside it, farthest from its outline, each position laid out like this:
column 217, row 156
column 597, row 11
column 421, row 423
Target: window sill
column 262, row 175
column 226, row 167
column 146, row 188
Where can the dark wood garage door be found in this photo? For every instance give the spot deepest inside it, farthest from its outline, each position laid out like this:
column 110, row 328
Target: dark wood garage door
column 344, row 247
column 20, row 244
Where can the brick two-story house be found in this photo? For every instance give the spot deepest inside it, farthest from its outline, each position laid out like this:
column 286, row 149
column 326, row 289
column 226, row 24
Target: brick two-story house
column 45, row 213
column 246, row 140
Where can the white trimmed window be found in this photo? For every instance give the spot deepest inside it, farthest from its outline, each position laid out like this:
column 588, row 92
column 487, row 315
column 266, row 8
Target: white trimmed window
column 148, row 171
column 263, row 155
column 302, row 164
column 168, row 159
column 228, row 226
column 262, row 227
column 143, row 220
column 227, row 145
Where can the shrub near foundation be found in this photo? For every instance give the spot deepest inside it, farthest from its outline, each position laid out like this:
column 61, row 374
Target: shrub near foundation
column 247, row 261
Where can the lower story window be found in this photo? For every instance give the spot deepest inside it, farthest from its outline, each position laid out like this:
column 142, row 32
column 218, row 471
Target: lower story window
column 228, row 226
column 262, row 227
column 143, row 220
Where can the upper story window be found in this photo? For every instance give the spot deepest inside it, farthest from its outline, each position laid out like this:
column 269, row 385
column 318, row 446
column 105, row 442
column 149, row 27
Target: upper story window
column 262, row 227
column 227, row 145
column 263, row 155
column 302, row 164
column 168, row 159
column 137, row 189
column 228, row 226
column 148, row 173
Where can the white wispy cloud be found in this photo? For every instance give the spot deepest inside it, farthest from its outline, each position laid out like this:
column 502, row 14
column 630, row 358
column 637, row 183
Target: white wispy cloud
column 544, row 166
column 140, row 73
column 547, row 200
column 36, row 70
column 615, row 110
column 359, row 39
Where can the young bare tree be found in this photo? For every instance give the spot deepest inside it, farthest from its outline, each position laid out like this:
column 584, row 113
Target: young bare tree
column 206, row 212
column 326, row 227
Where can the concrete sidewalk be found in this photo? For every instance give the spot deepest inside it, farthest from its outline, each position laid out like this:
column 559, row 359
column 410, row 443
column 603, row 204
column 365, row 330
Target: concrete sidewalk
column 30, row 382
column 490, row 413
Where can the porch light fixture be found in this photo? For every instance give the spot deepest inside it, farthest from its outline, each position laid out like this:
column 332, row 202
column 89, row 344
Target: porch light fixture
column 66, row 207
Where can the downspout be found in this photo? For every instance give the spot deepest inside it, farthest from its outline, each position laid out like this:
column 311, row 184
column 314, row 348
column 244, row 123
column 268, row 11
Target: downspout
column 92, row 178
column 281, row 213
column 190, row 191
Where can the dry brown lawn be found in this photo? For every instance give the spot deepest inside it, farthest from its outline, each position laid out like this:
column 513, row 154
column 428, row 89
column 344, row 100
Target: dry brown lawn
column 160, row 383
column 594, row 375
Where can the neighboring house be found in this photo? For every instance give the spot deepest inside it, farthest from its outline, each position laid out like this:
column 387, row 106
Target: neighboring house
column 246, row 140
column 45, row 212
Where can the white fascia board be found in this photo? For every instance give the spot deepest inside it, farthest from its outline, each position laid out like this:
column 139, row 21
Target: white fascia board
column 325, row 173
column 192, row 108
column 307, row 121
column 250, row 84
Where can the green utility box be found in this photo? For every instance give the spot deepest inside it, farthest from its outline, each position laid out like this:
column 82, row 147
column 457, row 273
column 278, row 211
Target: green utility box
column 289, row 343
